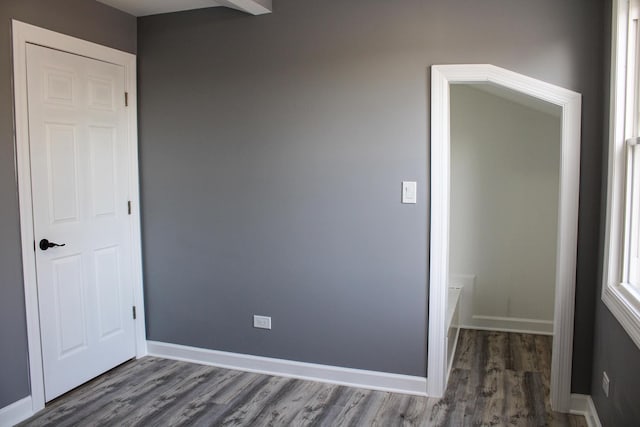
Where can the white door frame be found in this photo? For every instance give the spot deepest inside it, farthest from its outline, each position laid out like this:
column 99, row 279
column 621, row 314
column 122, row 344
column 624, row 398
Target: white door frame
column 22, row 35
column 442, row 76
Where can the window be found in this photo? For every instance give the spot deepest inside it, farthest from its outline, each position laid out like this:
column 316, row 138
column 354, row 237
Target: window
column 621, row 282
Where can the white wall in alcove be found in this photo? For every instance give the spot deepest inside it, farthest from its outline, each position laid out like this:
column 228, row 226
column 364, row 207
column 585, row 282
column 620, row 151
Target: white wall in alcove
column 505, row 163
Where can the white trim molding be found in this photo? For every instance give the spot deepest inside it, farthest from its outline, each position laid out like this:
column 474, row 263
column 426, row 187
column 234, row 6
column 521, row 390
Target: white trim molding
column 16, row 412
column 22, row 35
column 615, row 294
column 442, row 76
column 374, row 380
column 582, row 404
column 153, row 7
column 254, row 7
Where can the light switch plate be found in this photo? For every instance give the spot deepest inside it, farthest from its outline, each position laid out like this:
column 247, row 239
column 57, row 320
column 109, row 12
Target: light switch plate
column 409, row 191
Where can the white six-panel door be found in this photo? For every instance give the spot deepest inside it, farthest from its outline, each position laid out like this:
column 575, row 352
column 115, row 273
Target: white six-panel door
column 80, row 180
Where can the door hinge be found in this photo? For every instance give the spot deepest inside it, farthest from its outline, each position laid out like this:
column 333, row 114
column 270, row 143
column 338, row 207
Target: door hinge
column 134, row 312
column 129, row 207
column 126, row 99
column 34, row 246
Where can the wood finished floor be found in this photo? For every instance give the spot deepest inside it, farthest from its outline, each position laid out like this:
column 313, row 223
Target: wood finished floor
column 498, row 379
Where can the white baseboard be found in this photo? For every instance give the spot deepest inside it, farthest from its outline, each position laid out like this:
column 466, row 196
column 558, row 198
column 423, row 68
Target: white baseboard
column 16, row 412
column 582, row 404
column 361, row 378
column 510, row 324
column 512, row 330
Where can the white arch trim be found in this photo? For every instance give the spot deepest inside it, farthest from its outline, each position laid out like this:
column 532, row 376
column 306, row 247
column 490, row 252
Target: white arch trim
column 442, row 76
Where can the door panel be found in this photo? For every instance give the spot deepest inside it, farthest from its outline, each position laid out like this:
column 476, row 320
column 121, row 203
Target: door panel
column 61, row 165
column 107, row 267
column 80, row 180
column 102, row 144
column 70, row 307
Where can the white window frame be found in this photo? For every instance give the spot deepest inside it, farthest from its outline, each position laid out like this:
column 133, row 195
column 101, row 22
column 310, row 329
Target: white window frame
column 621, row 297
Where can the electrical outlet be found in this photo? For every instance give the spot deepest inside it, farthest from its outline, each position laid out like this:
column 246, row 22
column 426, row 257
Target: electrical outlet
column 605, row 383
column 262, row 322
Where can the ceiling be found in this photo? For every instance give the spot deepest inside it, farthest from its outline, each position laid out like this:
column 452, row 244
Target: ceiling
column 519, row 98
column 154, row 7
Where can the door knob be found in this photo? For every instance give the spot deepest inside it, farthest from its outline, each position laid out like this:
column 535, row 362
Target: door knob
column 45, row 244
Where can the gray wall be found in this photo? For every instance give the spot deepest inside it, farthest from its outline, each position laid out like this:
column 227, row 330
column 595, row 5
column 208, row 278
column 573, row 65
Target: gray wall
column 618, row 355
column 614, row 351
column 81, row 18
column 272, row 150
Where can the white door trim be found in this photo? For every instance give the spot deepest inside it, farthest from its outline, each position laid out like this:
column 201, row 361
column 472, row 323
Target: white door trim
column 570, row 102
column 23, row 34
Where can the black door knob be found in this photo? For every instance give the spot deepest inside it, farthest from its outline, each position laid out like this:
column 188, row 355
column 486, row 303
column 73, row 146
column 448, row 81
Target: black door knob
column 45, row 244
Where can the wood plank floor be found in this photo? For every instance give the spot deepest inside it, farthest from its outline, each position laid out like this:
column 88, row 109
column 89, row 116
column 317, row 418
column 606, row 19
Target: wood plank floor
column 498, row 379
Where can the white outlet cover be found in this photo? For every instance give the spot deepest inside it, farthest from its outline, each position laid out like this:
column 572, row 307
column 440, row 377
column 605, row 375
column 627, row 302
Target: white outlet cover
column 262, row 322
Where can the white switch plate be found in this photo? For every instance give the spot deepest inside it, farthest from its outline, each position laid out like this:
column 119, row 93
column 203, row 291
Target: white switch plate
column 262, row 322
column 409, row 191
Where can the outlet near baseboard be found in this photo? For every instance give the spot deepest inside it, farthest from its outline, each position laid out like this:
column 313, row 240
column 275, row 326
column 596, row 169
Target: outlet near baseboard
column 261, row 322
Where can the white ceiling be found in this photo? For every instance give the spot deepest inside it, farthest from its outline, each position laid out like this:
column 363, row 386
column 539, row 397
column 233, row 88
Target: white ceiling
column 154, row 7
